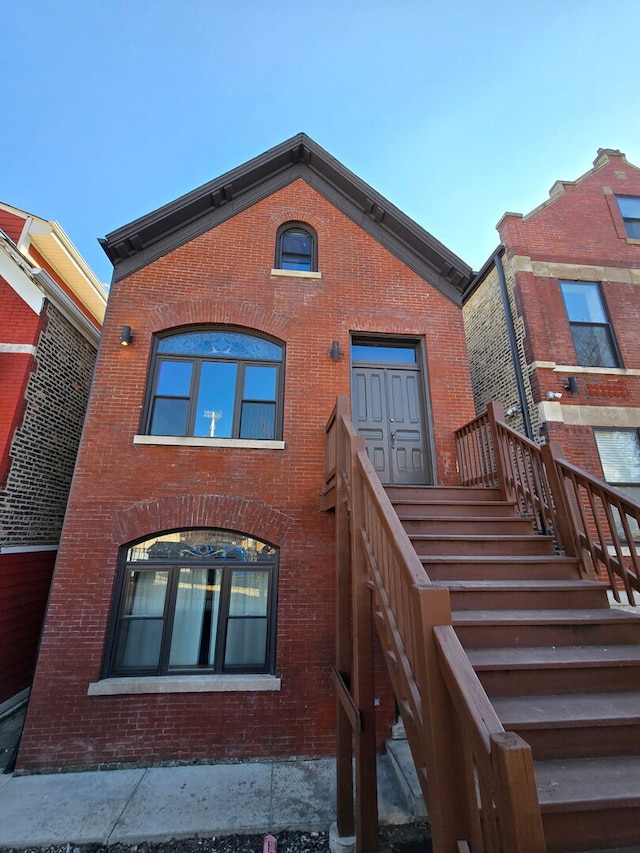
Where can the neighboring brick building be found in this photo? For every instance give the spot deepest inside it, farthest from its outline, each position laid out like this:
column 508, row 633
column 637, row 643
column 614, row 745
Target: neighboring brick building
column 51, row 309
column 192, row 613
column 571, row 275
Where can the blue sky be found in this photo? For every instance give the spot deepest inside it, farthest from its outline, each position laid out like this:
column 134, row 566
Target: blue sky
column 456, row 112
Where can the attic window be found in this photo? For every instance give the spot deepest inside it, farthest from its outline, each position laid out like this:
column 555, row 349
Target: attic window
column 296, row 248
column 630, row 212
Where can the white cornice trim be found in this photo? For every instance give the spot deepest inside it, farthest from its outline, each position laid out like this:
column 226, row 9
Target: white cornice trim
column 12, row 271
column 22, row 349
column 26, row 549
column 67, row 306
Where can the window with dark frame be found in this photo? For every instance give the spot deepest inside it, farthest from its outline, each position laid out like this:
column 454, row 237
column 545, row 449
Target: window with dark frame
column 590, row 327
column 195, row 602
column 296, row 248
column 630, row 211
column 619, row 451
column 216, row 383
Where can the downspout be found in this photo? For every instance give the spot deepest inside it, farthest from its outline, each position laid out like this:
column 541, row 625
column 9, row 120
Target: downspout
column 513, row 344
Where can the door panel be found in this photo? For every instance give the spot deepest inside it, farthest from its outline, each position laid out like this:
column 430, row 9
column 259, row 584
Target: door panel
column 387, row 411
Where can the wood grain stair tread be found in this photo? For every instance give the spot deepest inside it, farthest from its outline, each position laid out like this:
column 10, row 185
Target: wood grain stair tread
column 553, row 657
column 525, row 559
column 568, row 710
column 520, row 584
column 480, row 537
column 588, row 783
column 544, row 617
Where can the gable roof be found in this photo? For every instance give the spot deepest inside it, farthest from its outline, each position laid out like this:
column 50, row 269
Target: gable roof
column 146, row 239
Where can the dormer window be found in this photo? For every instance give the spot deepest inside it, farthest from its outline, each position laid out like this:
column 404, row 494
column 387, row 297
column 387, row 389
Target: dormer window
column 296, row 248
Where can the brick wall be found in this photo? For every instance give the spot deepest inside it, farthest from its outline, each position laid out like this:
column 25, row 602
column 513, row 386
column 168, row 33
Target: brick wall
column 120, row 488
column 44, row 446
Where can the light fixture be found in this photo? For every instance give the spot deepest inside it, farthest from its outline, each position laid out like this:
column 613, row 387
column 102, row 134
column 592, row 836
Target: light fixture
column 126, row 337
column 572, row 385
column 554, row 395
column 335, row 352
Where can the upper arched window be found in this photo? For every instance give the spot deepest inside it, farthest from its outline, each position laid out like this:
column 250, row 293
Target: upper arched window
column 296, row 248
column 216, row 383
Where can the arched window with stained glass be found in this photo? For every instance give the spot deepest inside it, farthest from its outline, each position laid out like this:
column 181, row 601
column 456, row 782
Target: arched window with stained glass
column 217, row 383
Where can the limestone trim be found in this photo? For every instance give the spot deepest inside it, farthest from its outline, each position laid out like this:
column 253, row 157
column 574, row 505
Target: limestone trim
column 576, row 272
column 22, row 349
column 295, row 274
column 616, row 417
column 205, row 441
column 184, row 684
column 589, row 371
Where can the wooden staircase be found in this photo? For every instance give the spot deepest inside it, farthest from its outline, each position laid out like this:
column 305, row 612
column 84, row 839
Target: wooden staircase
column 561, row 668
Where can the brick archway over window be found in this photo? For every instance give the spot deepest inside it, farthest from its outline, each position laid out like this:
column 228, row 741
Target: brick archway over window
column 182, row 512
column 212, row 311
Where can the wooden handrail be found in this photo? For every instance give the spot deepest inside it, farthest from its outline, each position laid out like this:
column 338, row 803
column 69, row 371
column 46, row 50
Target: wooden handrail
column 455, row 737
column 587, row 517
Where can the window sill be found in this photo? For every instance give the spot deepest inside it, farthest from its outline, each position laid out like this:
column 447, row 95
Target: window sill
column 184, row 684
column 295, row 274
column 204, row 441
column 568, row 368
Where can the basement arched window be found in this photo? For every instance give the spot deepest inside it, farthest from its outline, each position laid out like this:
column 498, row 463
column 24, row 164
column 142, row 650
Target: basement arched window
column 194, row 602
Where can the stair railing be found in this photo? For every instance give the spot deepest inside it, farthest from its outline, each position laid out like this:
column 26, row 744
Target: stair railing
column 587, row 518
column 477, row 780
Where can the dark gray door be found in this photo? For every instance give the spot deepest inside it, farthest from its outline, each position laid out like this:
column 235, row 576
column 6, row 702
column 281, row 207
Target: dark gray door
column 388, row 410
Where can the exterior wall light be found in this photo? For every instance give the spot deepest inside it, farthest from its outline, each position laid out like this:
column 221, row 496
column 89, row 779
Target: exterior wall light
column 335, row 352
column 126, row 337
column 572, row 385
column 554, row 395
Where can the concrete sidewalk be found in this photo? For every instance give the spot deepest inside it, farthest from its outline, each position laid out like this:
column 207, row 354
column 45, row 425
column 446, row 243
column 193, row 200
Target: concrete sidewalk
column 160, row 803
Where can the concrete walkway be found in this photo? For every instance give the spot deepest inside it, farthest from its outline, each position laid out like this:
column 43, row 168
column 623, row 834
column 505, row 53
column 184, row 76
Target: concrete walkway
column 157, row 804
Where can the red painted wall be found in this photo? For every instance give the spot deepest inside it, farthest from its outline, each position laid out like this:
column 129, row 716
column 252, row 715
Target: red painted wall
column 122, row 490
column 19, row 324
column 24, row 586
column 11, row 224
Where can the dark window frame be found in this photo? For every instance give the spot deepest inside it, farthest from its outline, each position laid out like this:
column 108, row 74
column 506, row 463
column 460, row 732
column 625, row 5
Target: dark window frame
column 117, row 620
column 631, row 223
column 313, row 255
column 606, row 326
column 157, row 358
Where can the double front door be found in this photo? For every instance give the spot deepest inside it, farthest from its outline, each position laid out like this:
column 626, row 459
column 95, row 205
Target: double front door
column 388, row 410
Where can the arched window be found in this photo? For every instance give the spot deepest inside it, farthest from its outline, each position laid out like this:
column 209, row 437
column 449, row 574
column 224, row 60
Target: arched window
column 195, row 601
column 296, row 248
column 216, row 383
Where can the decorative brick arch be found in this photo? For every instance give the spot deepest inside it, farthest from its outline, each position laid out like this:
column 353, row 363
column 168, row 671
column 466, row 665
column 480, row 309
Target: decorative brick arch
column 182, row 512
column 212, row 311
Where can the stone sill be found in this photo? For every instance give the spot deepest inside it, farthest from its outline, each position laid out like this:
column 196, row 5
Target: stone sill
column 589, row 371
column 184, row 684
column 204, row 441
column 295, row 274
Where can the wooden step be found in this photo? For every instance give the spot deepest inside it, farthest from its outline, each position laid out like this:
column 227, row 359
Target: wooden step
column 588, row 803
column 469, row 526
column 484, row 628
column 525, row 594
column 574, row 724
column 459, row 509
column 447, row 493
column 499, row 567
column 427, row 544
column 541, row 670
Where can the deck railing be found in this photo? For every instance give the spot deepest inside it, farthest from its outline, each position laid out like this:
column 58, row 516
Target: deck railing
column 477, row 780
column 587, row 518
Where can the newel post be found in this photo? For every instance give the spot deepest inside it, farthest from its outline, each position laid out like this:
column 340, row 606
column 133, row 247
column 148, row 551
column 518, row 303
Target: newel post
column 564, row 515
column 495, row 415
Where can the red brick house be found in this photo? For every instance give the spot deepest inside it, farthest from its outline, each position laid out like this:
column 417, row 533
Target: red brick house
column 192, row 612
column 51, row 310
column 564, row 357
